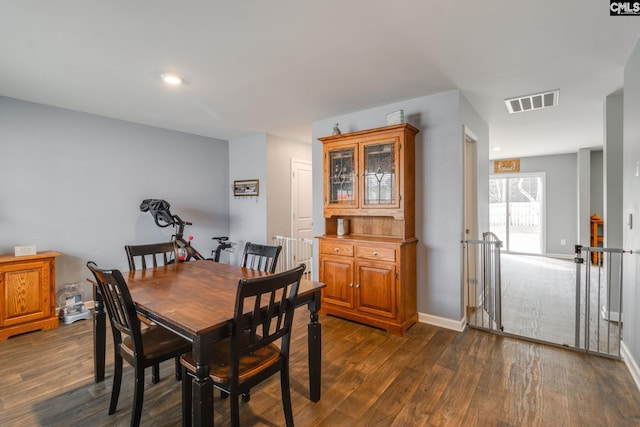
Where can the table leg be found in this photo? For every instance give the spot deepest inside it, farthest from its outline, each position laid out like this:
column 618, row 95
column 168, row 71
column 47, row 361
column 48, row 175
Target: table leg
column 202, row 385
column 99, row 336
column 314, row 334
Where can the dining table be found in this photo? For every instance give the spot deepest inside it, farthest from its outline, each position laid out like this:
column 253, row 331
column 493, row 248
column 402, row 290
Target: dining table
column 196, row 300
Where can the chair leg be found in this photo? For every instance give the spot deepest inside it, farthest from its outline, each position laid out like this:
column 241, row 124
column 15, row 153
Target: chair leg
column 286, row 396
column 155, row 373
column 235, row 410
column 187, row 398
column 178, row 369
column 138, row 397
column 117, row 381
column 246, row 396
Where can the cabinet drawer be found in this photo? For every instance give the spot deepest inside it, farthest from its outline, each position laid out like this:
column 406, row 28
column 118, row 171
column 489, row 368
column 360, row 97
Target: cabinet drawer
column 336, row 248
column 376, row 252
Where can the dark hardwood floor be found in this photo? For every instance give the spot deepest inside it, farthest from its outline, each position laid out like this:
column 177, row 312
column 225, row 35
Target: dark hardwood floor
column 431, row 376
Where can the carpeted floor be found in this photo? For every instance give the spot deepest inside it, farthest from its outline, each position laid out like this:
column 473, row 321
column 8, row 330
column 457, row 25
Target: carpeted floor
column 539, row 301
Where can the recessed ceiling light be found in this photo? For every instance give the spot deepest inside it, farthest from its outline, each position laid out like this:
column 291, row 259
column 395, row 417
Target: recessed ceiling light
column 497, row 148
column 172, row 79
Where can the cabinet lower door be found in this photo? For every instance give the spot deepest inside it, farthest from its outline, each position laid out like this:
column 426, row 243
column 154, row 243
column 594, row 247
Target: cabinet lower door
column 26, row 292
column 337, row 274
column 376, row 288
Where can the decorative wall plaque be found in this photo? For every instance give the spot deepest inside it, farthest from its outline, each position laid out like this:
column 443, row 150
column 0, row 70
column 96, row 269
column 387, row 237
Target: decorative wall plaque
column 509, row 165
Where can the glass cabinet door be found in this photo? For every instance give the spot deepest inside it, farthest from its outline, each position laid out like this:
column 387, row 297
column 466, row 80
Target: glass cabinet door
column 342, row 175
column 380, row 174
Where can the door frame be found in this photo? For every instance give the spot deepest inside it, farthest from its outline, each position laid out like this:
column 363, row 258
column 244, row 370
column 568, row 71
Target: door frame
column 469, row 200
column 294, row 196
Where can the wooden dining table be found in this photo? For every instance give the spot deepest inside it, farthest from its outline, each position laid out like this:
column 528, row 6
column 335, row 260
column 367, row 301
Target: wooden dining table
column 196, row 301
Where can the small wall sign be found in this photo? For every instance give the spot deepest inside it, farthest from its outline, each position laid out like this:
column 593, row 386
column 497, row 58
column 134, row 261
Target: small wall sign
column 247, row 187
column 506, row 166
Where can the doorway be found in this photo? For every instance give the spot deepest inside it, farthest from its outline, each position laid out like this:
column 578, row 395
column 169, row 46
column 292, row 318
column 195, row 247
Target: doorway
column 301, row 199
column 516, row 207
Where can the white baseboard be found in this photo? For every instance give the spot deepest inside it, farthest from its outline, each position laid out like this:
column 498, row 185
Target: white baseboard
column 631, row 364
column 612, row 316
column 442, row 322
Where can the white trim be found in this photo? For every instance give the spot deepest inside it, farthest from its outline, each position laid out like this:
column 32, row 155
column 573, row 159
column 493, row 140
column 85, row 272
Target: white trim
column 631, row 364
column 612, row 316
column 442, row 322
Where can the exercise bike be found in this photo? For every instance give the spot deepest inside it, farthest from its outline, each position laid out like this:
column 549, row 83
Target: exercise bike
column 163, row 218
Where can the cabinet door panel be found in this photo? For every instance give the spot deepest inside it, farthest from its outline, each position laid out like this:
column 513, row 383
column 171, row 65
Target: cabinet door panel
column 376, row 288
column 380, row 174
column 341, row 175
column 337, row 274
column 25, row 292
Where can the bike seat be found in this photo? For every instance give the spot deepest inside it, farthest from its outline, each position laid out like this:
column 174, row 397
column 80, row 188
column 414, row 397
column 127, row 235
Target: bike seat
column 221, row 238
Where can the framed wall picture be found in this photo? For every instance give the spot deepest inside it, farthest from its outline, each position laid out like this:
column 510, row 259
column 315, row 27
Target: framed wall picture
column 509, row 165
column 247, row 187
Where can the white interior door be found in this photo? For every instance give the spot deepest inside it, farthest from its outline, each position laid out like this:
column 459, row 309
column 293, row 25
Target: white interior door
column 301, row 199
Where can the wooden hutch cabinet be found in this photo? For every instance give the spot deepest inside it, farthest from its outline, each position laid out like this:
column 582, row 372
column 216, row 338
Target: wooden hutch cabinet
column 27, row 293
column 370, row 272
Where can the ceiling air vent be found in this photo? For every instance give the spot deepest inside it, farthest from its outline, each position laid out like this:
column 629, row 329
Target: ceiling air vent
column 532, row 102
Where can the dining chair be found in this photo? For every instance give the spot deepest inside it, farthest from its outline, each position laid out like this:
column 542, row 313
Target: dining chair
column 263, row 316
column 166, row 252
column 140, row 347
column 158, row 254
column 260, row 257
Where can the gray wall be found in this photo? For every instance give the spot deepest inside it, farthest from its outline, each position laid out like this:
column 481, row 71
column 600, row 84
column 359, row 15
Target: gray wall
column 439, row 196
column 561, row 199
column 631, row 205
column 597, row 182
column 73, row 182
column 247, row 160
column 561, row 183
column 280, row 152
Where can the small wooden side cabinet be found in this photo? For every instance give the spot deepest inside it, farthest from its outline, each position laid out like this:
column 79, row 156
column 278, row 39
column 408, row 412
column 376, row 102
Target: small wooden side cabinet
column 27, row 293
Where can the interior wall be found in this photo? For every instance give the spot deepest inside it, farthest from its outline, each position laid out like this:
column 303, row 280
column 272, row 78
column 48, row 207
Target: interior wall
column 612, row 172
column 280, row 151
column 597, row 182
column 439, row 197
column 472, row 121
column 247, row 160
column 561, row 199
column 583, row 214
column 631, row 206
column 72, row 182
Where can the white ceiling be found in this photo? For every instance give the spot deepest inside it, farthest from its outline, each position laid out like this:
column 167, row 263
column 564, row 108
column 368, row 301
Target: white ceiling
column 276, row 66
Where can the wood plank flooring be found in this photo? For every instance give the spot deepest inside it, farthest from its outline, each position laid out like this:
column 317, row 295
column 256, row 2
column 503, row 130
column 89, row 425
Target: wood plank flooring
column 429, row 377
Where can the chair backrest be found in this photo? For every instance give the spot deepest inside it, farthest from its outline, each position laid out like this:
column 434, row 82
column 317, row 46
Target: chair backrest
column 120, row 306
column 261, row 257
column 166, row 251
column 264, row 313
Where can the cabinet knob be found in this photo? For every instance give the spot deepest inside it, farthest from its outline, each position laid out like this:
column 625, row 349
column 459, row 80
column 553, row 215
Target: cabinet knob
column 357, row 286
column 336, row 249
column 351, row 285
column 375, row 254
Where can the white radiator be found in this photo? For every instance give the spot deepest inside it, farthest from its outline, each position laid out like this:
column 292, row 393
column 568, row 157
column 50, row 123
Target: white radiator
column 294, row 252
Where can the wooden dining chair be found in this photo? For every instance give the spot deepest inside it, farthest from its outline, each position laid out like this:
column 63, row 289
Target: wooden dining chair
column 157, row 253
column 262, row 317
column 140, row 347
column 261, row 257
